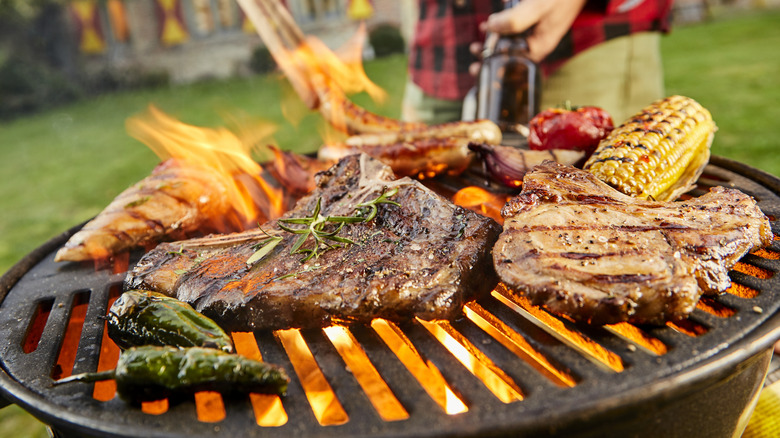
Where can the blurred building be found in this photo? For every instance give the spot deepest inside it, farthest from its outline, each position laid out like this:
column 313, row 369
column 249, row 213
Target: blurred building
column 195, row 39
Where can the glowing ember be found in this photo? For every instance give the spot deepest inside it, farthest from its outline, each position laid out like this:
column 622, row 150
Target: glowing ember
column 268, row 408
column 424, row 371
column 323, row 401
column 379, row 394
column 481, row 201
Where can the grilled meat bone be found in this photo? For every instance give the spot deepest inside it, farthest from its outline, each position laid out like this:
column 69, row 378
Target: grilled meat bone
column 581, row 248
column 424, row 257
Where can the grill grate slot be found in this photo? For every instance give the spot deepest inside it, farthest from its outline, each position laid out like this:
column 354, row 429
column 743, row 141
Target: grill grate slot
column 426, row 373
column 712, row 306
column 688, row 327
column 346, row 387
column 323, row 401
column 267, row 408
column 741, row 290
column 156, row 407
column 66, row 357
column 209, row 407
column 379, row 393
column 37, row 323
column 753, row 271
column 768, row 254
column 639, row 338
column 518, row 345
column 575, row 340
column 109, row 353
column 478, row 364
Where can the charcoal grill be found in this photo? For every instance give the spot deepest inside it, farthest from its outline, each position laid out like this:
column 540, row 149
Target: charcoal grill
column 504, row 368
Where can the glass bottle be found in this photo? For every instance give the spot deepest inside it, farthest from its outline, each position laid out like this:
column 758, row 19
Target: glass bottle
column 509, row 85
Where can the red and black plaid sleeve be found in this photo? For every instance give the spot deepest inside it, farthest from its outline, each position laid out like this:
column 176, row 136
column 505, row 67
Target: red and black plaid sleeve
column 439, row 56
column 604, row 20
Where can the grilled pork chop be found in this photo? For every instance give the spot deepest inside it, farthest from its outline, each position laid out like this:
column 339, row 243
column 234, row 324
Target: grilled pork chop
column 581, row 248
column 423, row 257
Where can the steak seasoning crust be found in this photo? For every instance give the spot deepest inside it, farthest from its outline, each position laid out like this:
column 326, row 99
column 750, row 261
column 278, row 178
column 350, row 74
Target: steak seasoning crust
column 424, row 257
column 583, row 249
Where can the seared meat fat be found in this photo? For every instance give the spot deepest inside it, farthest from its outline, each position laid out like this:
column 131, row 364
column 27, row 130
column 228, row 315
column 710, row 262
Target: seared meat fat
column 583, row 249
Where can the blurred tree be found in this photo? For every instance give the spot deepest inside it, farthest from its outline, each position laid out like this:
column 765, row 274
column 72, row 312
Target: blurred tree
column 37, row 29
column 38, row 59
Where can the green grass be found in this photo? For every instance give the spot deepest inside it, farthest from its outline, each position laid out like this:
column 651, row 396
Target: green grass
column 61, row 167
column 732, row 67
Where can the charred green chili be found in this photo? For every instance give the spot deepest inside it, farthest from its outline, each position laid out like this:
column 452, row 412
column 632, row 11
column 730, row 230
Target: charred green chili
column 153, row 373
column 148, row 318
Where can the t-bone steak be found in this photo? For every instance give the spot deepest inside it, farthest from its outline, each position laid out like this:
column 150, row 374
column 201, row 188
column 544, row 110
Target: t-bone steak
column 422, row 257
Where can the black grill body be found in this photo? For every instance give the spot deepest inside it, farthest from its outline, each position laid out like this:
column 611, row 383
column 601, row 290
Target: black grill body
column 704, row 385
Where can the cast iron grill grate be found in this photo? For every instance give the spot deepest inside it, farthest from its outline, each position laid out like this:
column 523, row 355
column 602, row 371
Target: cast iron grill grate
column 505, row 366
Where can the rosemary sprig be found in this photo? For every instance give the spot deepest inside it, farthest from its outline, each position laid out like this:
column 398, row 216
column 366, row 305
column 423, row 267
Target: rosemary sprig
column 370, row 207
column 315, row 226
column 180, row 252
column 263, row 249
column 295, row 274
column 321, row 229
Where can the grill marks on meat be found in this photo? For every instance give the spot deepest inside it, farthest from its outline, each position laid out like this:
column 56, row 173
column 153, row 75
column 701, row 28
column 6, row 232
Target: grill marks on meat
column 581, row 248
column 425, row 258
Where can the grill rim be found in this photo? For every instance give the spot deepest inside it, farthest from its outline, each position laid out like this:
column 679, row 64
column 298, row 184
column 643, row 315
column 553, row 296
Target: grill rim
column 715, row 367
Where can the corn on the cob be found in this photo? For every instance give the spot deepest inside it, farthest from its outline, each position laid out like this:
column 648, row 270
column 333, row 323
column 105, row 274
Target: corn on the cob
column 658, row 153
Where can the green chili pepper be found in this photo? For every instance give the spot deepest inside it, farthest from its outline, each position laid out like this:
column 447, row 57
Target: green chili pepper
column 153, row 373
column 149, row 318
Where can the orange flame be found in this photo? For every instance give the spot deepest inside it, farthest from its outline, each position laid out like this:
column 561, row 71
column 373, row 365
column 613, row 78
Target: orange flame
column 481, row 201
column 219, row 152
column 326, row 70
column 345, row 66
column 320, row 77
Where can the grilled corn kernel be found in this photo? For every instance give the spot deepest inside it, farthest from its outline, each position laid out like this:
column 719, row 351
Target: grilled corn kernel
column 658, row 153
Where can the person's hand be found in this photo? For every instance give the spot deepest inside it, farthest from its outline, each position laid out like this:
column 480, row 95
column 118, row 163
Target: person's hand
column 550, row 19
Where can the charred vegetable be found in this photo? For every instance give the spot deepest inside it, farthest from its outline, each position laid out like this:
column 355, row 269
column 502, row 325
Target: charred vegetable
column 658, row 153
column 508, row 165
column 148, row 318
column 153, row 373
column 577, row 128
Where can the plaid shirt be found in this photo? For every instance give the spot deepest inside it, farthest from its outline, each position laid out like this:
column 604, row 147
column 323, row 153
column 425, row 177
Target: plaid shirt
column 440, row 58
